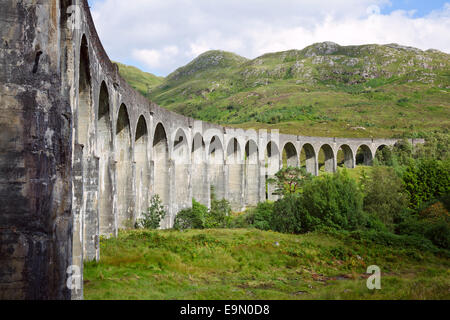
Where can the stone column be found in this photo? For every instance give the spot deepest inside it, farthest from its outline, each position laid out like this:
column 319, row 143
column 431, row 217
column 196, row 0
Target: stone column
column 91, row 222
column 78, row 216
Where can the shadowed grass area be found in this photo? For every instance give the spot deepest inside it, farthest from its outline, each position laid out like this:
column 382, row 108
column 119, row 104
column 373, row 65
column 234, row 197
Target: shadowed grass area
column 250, row 264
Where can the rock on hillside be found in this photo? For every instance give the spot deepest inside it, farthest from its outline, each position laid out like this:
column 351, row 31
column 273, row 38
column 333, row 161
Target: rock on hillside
column 208, row 61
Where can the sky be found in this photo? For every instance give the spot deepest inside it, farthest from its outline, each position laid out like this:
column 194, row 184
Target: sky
column 159, row 36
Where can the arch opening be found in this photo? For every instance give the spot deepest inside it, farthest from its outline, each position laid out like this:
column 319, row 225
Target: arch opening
column 84, row 113
column 142, row 167
column 290, row 156
column 326, row 159
column 364, row 156
column 308, row 159
column 104, row 147
column 180, row 156
column 200, row 183
column 383, row 155
column 216, row 165
column 345, row 157
column 160, row 160
column 251, row 174
column 124, row 169
column 235, row 175
column 272, row 164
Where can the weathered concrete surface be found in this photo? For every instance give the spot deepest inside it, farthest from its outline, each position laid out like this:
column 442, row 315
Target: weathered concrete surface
column 82, row 153
column 35, row 154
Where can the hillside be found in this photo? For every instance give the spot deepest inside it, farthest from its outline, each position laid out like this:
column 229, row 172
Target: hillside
column 139, row 80
column 323, row 90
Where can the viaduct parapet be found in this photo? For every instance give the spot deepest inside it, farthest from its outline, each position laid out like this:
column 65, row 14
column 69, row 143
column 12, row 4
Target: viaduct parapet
column 82, row 153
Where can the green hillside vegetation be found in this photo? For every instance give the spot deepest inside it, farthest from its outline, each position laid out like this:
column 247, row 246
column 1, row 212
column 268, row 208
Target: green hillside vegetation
column 323, row 90
column 253, row 265
column 139, row 80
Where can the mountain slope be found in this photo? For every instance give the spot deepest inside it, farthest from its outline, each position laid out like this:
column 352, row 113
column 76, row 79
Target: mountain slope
column 325, row 90
column 139, row 80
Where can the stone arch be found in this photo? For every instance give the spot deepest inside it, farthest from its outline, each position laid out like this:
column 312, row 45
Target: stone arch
column 180, row 156
column 290, row 155
column 142, row 166
column 345, row 157
column 327, row 154
column 251, row 174
column 216, row 167
column 364, row 156
column 124, row 168
column 235, row 174
column 200, row 184
column 104, row 151
column 272, row 164
column 160, row 160
column 308, row 159
column 383, row 154
column 84, row 112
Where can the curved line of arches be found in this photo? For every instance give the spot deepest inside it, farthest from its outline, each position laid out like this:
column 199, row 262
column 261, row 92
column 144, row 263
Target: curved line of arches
column 154, row 153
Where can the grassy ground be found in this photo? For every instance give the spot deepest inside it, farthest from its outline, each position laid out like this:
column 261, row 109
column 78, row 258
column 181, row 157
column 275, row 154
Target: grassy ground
column 251, row 265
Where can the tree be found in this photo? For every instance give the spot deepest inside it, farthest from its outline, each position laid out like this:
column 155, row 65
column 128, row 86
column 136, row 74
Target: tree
column 384, row 195
column 289, row 180
column 154, row 215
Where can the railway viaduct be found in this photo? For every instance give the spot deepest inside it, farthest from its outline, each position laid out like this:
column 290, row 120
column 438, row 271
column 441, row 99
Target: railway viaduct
column 82, row 152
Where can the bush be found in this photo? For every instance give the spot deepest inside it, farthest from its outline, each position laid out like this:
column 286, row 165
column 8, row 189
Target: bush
column 154, row 215
column 219, row 216
column 262, row 215
column 331, row 201
column 434, row 228
column 384, row 195
column 199, row 217
column 426, row 180
column 387, row 238
column 191, row 218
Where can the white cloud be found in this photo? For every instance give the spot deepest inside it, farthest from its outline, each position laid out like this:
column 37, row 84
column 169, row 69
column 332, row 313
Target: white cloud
column 163, row 35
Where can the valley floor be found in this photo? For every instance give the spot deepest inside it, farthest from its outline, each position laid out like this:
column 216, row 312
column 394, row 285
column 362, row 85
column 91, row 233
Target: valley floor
column 250, row 264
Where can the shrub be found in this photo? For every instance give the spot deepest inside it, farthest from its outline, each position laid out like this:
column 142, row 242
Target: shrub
column 191, row 218
column 154, row 215
column 262, row 215
column 332, row 201
column 384, row 195
column 426, row 180
column 199, row 217
column 219, row 216
column 286, row 214
column 431, row 224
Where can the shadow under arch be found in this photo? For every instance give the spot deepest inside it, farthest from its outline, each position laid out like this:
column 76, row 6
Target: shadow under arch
column 251, row 174
column 216, row 162
column 235, row 175
column 272, row 164
column 364, row 156
column 141, row 159
column 290, row 155
column 160, row 162
column 200, row 184
column 308, row 159
column 345, row 157
column 124, row 168
column 107, row 221
column 326, row 154
column 181, row 159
